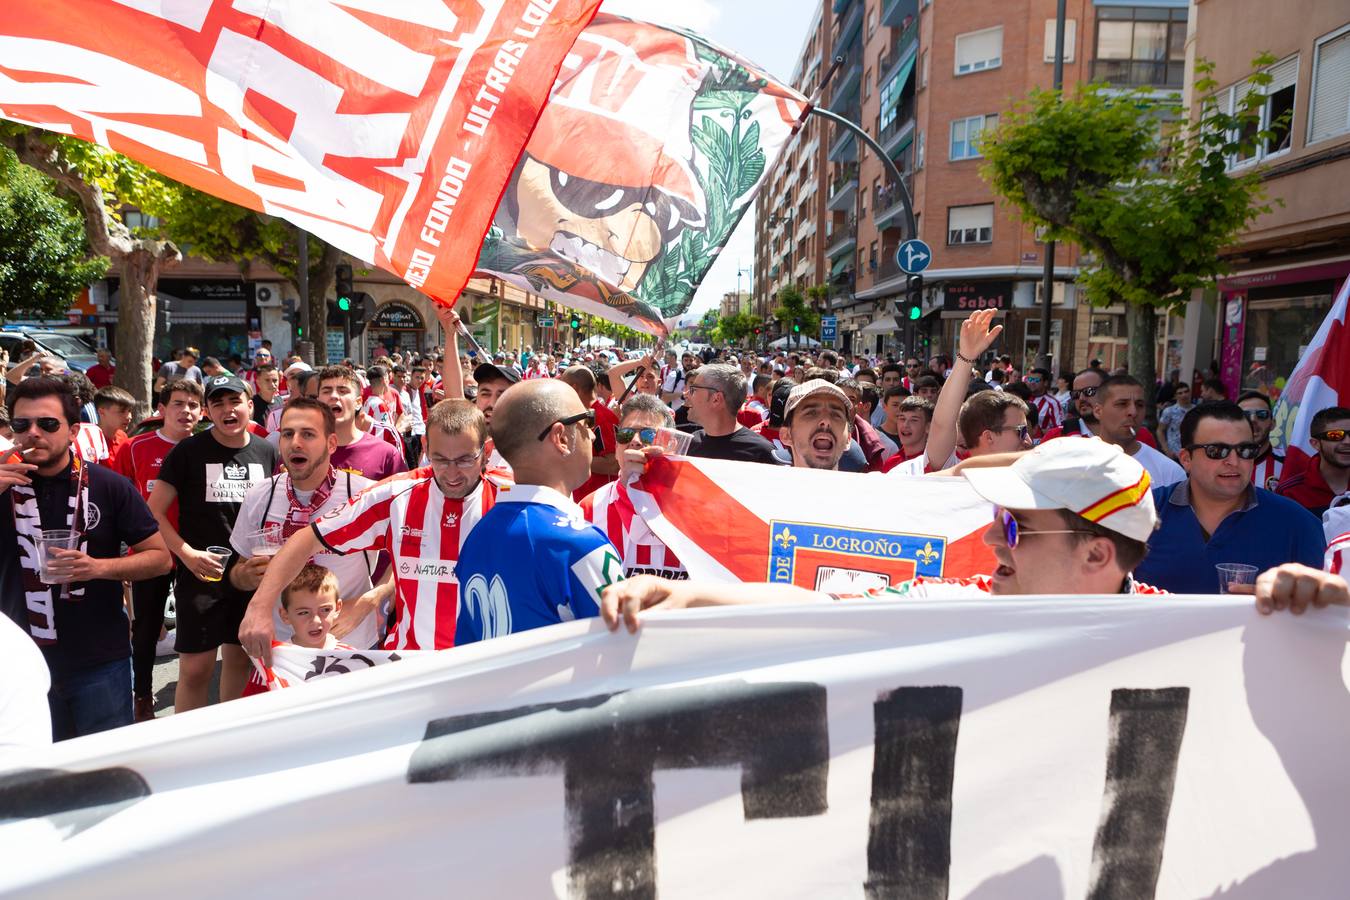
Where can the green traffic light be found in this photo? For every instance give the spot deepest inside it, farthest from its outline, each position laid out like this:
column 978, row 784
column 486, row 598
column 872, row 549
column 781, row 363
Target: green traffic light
column 344, row 304
column 914, row 313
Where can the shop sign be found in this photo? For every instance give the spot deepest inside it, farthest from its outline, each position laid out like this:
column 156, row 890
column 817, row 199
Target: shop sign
column 397, row 317
column 213, row 290
column 972, row 296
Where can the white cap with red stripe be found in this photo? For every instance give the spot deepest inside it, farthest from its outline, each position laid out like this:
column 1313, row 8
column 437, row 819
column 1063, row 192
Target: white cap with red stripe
column 1085, row 475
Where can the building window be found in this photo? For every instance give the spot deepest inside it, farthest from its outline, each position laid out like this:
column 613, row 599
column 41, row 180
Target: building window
column 1329, row 110
column 966, row 134
column 1279, row 102
column 970, row 224
column 872, row 258
column 918, row 155
column 1140, row 46
column 867, row 84
column 923, row 69
column 979, row 50
column 871, row 22
column 1070, row 39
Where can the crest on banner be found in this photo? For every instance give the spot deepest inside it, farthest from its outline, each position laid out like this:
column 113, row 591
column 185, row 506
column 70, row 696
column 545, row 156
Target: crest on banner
column 848, row 560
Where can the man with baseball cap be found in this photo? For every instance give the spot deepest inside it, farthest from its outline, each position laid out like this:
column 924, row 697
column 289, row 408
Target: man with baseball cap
column 493, row 380
column 816, row 422
column 1070, row 517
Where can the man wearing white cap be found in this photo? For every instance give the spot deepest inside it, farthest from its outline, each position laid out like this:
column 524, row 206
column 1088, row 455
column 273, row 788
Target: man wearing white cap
column 1070, row 517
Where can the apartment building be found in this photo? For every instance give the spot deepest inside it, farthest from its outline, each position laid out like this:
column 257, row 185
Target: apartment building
column 925, row 80
column 1289, row 264
column 790, row 208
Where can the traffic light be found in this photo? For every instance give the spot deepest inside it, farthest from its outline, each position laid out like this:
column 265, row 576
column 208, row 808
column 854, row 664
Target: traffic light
column 576, row 321
column 796, row 326
column 362, row 310
column 291, row 315
column 343, row 286
column 913, row 297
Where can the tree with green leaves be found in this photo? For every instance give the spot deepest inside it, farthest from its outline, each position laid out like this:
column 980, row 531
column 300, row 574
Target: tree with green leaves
column 794, row 307
column 737, row 328
column 44, row 253
column 1141, row 186
column 220, row 231
column 99, row 183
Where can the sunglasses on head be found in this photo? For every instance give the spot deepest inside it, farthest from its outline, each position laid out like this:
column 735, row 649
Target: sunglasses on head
column 1088, row 392
column 49, row 424
column 1335, row 435
column 626, row 435
column 1261, row 414
column 1247, row 450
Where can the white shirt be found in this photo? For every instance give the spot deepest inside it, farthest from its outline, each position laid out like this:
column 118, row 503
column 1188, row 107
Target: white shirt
column 674, row 383
column 920, row 465
column 1162, row 470
column 25, row 718
column 412, row 410
column 266, row 503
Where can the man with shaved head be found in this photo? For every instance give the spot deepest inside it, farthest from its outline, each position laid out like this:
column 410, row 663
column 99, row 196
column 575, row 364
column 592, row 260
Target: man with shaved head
column 534, row 560
column 604, row 464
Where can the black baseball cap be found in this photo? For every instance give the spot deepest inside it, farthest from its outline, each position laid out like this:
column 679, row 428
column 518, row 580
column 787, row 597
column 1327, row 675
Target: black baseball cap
column 489, row 372
column 222, row 383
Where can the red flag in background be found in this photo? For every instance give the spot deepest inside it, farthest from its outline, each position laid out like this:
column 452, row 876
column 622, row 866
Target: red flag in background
column 388, row 129
column 1321, row 379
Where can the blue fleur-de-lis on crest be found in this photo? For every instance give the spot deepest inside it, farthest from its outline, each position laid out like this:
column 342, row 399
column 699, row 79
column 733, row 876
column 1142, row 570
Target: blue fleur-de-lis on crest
column 927, row 555
column 785, row 538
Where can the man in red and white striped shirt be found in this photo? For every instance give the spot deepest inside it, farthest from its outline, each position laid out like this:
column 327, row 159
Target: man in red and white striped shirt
column 610, row 508
column 1048, row 411
column 422, row 522
column 1269, row 465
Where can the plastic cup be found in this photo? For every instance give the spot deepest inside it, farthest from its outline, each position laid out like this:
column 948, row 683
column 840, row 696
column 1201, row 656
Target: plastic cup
column 266, row 541
column 1234, row 573
column 63, row 538
column 673, row 442
column 222, row 555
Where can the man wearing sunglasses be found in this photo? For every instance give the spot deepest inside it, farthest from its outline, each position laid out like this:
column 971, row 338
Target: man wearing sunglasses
column 80, row 624
column 1217, row 516
column 611, row 509
column 1070, row 517
column 1328, row 473
column 1269, row 464
column 534, row 560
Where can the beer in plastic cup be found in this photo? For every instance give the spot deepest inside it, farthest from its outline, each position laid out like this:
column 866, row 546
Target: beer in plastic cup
column 672, row 441
column 222, row 555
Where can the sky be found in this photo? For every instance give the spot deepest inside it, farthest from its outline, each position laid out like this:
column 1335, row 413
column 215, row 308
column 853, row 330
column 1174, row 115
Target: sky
column 769, row 33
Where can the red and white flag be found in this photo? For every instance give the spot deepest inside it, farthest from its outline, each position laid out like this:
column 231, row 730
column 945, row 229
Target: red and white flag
column 292, row 665
column 831, row 531
column 1321, row 379
column 387, row 129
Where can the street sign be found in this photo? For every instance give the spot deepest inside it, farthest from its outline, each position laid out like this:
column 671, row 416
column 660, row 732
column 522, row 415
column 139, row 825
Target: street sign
column 913, row 256
column 829, row 328
column 545, row 321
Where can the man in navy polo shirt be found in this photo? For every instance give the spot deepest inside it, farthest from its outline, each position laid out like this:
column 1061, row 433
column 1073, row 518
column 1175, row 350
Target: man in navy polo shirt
column 1217, row 516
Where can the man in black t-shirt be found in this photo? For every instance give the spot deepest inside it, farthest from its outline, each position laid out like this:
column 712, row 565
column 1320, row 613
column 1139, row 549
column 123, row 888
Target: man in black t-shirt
column 81, row 624
column 209, row 474
column 713, row 396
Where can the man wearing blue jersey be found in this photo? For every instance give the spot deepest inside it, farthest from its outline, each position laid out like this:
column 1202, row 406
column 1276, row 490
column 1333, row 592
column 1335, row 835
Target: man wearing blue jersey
column 534, row 560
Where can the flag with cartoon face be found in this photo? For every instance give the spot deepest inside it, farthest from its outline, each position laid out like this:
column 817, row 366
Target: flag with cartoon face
column 651, row 148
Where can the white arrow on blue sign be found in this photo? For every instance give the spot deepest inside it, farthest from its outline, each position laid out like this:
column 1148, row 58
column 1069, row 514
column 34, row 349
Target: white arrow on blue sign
column 913, row 256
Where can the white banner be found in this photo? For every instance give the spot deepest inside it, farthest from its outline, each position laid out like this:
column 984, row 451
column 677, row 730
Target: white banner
column 1022, row 748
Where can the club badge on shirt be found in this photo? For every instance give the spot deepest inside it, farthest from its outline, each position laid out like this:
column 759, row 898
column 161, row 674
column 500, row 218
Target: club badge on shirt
column 229, row 482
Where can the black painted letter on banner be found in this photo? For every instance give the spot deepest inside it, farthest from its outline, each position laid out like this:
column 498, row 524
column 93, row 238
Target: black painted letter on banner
column 1141, row 771
column 909, row 849
column 608, row 746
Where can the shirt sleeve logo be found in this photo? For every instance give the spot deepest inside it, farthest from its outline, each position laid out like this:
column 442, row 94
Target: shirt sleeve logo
column 488, row 606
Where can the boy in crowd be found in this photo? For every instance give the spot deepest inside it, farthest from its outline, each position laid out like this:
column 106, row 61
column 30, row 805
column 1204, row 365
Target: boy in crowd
column 114, row 407
column 310, row 607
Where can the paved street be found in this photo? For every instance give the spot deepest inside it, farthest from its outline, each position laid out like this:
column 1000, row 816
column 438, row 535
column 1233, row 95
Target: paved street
column 166, row 679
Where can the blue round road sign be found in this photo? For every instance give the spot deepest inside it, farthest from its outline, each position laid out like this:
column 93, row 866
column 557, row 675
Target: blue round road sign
column 913, row 256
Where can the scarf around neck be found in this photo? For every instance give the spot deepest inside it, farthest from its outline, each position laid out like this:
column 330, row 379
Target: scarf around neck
column 40, row 598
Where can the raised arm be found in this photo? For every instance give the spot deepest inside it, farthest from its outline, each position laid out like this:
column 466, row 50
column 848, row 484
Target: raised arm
column 976, row 337
column 452, row 376
column 256, row 631
column 622, row 601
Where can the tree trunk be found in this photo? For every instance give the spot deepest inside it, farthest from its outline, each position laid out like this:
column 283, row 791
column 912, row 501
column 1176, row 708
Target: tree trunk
column 1142, row 322
column 139, row 274
column 321, row 275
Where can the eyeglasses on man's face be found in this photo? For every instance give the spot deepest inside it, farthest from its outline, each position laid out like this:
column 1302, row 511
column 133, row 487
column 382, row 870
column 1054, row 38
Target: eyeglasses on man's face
column 586, row 419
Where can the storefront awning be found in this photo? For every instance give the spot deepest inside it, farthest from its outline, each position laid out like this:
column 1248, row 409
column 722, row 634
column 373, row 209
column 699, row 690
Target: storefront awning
column 881, row 325
column 184, row 318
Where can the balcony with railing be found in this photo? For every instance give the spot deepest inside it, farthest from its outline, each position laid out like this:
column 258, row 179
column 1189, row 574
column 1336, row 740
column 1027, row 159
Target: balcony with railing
column 888, row 211
column 843, row 144
column 896, row 134
column 1133, row 73
column 847, row 80
column 894, row 12
column 842, row 238
column 850, row 22
column 844, row 189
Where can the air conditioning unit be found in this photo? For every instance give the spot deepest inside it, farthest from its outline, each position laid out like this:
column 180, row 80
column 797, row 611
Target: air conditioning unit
column 268, row 297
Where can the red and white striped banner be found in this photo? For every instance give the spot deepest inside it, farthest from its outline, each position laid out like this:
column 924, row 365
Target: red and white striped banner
column 387, row 129
column 831, row 531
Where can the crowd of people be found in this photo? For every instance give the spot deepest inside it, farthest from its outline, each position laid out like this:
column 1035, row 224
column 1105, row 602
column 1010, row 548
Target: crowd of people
column 426, row 501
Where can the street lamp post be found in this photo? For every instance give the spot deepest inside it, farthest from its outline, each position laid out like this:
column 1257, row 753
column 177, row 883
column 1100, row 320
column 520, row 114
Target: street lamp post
column 1044, row 360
